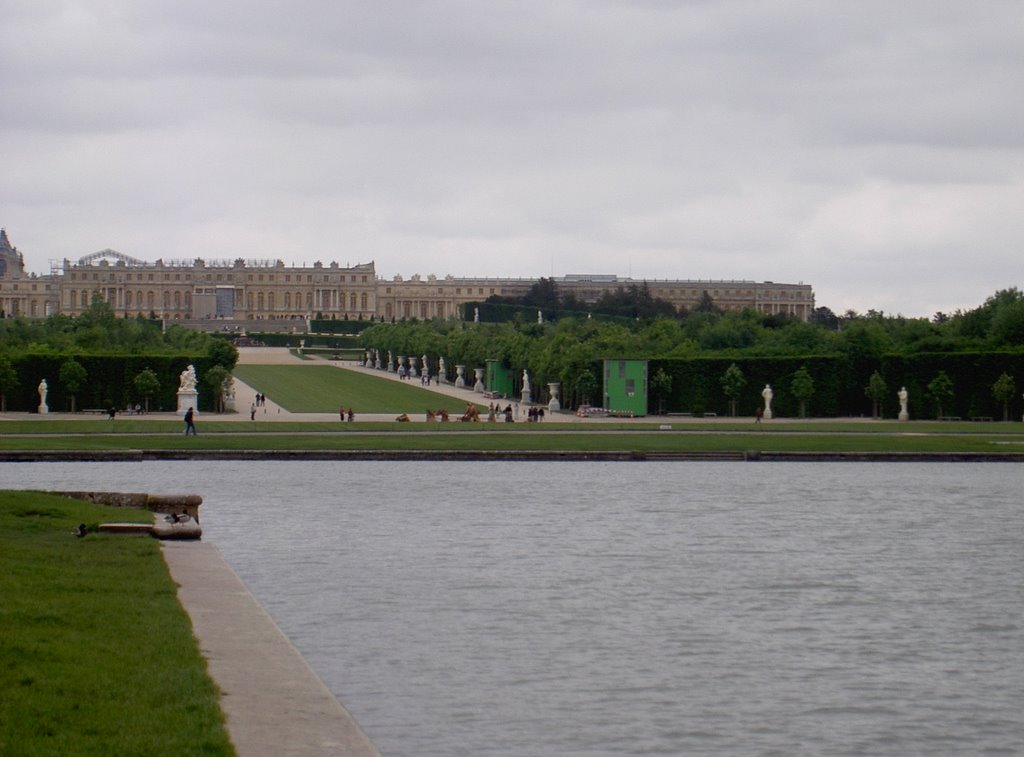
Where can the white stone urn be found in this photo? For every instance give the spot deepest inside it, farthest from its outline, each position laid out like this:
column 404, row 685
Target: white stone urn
column 554, row 405
column 478, row 373
column 460, row 379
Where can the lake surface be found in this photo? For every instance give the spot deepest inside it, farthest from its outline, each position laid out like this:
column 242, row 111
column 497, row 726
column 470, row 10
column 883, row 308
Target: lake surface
column 632, row 608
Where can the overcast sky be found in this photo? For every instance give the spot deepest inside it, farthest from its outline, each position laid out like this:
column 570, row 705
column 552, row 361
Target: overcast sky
column 871, row 149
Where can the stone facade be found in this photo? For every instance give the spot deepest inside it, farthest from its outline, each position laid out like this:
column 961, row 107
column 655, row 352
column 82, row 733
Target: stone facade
column 248, row 290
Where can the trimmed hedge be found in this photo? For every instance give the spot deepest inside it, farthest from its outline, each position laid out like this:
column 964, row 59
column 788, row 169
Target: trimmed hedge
column 109, row 379
column 330, row 326
column 331, row 341
column 839, row 383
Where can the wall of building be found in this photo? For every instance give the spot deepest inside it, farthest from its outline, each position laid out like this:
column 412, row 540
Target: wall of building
column 269, row 290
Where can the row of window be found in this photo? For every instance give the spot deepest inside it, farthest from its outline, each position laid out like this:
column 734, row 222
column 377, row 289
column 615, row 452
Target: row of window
column 326, row 278
column 183, row 300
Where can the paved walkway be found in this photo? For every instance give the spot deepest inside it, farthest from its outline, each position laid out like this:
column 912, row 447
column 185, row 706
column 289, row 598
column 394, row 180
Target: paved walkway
column 276, row 706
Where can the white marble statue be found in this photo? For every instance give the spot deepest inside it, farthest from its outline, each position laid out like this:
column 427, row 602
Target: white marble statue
column 43, row 388
column 767, row 393
column 442, row 377
column 187, row 380
column 526, row 396
column 903, row 397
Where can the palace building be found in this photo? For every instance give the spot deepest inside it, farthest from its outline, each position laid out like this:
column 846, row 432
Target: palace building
column 246, row 290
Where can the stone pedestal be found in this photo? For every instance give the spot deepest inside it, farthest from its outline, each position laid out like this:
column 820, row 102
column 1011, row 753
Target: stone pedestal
column 904, row 415
column 43, row 408
column 478, row 373
column 460, row 379
column 554, row 405
column 188, row 399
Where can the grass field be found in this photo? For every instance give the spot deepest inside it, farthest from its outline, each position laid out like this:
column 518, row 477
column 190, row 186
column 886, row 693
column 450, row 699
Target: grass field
column 98, row 655
column 324, row 388
column 499, row 437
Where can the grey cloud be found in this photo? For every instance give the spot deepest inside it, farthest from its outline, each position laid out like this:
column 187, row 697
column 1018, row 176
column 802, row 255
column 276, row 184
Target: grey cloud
column 837, row 143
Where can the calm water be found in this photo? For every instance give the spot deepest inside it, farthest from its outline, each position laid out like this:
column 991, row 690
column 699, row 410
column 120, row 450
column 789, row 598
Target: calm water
column 632, row 609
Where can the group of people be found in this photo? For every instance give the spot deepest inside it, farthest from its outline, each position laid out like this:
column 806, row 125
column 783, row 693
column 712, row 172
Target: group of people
column 351, row 414
column 259, row 401
column 494, row 409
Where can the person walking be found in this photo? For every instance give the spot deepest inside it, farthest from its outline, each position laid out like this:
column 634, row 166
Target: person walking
column 252, row 411
column 190, row 422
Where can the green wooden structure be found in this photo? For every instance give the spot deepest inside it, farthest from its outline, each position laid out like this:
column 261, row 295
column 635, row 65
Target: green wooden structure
column 625, row 387
column 498, row 378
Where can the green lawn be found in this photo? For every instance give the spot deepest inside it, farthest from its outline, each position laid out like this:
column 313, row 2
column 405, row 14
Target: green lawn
column 98, row 656
column 324, row 388
column 498, row 437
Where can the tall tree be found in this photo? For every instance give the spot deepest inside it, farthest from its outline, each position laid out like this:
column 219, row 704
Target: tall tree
column 8, row 381
column 876, row 391
column 733, row 382
column 802, row 388
column 217, row 382
column 586, row 386
column 661, row 387
column 146, row 384
column 941, row 390
column 72, row 375
column 1003, row 390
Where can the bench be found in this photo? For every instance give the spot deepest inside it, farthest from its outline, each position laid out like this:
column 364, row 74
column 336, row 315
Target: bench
column 681, row 415
column 710, row 415
column 950, row 418
column 982, row 418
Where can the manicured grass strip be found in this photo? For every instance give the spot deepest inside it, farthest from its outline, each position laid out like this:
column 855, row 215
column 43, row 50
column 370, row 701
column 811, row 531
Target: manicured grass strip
column 98, row 656
column 324, row 388
column 219, row 424
column 497, row 441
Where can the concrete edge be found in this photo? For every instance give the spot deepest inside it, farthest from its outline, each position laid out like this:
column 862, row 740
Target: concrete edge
column 274, row 704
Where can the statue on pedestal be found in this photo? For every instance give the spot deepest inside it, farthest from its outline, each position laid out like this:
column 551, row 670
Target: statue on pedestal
column 43, row 407
column 767, row 393
column 188, row 395
column 903, row 397
column 526, row 394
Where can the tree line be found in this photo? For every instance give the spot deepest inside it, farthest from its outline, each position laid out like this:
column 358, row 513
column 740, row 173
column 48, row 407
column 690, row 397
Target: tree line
column 99, row 361
column 690, row 352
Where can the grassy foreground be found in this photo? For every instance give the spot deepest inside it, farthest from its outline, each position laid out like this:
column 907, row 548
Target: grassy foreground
column 98, row 656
